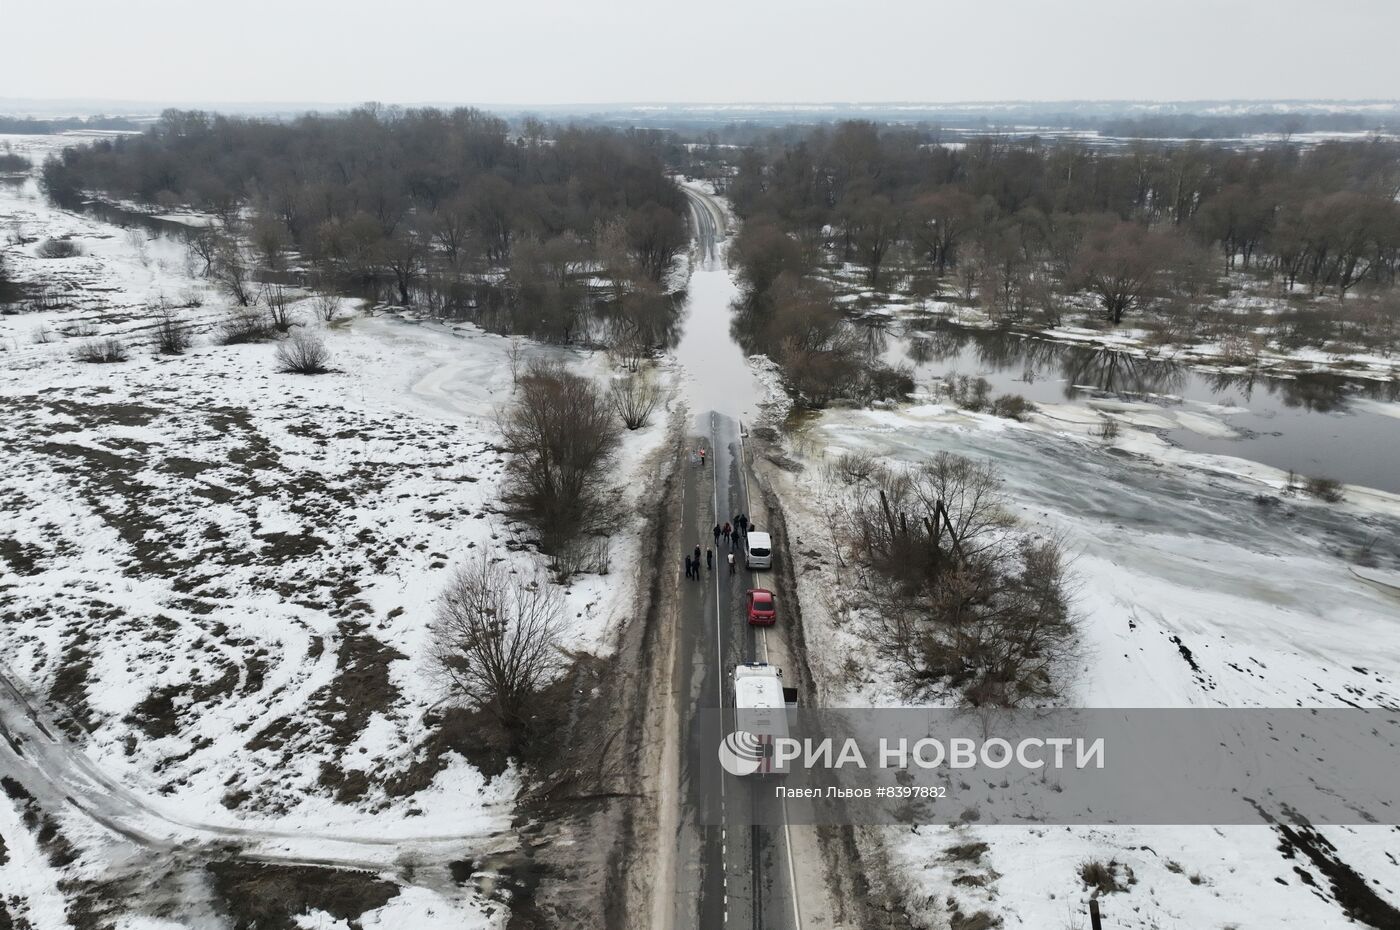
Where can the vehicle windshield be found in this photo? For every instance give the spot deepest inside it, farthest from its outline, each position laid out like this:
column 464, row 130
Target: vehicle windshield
column 762, row 602
column 758, row 551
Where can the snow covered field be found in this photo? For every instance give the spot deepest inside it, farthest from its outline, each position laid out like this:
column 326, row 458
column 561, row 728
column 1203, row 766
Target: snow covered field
column 1191, row 593
column 216, row 579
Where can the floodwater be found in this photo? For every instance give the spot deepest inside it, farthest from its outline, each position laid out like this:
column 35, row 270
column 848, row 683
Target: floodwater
column 1315, row 424
column 718, row 374
column 719, row 377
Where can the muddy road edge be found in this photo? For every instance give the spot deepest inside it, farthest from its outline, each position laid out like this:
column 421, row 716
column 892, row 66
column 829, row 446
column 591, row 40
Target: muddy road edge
column 591, row 819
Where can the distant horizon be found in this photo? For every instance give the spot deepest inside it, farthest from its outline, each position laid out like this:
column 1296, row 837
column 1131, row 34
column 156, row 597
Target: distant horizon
column 88, row 106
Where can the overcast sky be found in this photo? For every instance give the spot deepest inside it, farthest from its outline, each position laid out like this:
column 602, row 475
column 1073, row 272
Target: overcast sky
column 590, row 51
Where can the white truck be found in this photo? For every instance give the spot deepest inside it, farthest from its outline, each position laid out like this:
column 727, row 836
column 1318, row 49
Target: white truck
column 760, row 715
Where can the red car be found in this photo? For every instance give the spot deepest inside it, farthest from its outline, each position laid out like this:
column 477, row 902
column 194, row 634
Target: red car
column 762, row 611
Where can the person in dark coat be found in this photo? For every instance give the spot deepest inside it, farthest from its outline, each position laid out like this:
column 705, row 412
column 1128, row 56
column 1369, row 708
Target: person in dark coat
column 717, row 532
column 727, row 530
column 688, row 567
column 710, row 559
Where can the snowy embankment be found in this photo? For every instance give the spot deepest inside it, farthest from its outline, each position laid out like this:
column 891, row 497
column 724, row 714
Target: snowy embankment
column 1197, row 585
column 218, row 578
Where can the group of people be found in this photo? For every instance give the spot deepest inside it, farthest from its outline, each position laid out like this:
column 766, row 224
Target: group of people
column 732, row 533
column 692, row 562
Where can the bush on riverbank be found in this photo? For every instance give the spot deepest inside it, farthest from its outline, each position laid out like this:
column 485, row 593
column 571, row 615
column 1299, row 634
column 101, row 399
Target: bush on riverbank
column 959, row 598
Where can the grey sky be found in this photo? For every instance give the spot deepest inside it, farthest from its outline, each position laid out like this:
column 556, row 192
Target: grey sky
column 547, row 51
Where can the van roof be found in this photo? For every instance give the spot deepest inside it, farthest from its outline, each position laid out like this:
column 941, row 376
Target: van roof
column 759, row 539
column 755, row 692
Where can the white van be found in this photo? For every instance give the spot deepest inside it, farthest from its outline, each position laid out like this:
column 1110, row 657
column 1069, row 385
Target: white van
column 758, row 550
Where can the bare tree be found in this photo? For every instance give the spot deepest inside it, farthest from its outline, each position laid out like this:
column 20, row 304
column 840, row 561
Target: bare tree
column 655, row 235
column 403, row 254
column 205, row 243
column 232, row 270
column 495, row 639
column 515, row 352
column 270, row 240
column 452, row 230
column 1121, row 263
column 872, row 225
column 561, row 435
column 634, row 398
column 278, row 301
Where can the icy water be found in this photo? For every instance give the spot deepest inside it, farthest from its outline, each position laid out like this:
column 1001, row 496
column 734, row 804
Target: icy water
column 719, row 377
column 1314, row 424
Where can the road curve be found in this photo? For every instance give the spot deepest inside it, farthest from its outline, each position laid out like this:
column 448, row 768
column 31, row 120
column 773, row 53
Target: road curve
column 708, row 218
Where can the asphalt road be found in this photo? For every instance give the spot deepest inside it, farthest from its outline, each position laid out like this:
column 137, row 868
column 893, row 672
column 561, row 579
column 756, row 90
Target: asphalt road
column 709, row 223
column 731, row 874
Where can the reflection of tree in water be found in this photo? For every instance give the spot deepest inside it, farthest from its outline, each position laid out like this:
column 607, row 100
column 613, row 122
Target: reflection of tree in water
column 745, row 324
column 942, row 343
column 919, row 350
column 1119, row 373
column 875, row 337
column 1005, row 351
column 1220, row 382
column 1316, row 392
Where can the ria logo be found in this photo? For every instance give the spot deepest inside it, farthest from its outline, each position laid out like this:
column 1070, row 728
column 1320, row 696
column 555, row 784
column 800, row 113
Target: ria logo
column 741, row 753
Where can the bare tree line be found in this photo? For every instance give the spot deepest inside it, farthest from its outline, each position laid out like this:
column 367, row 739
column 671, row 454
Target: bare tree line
column 1031, row 230
column 441, row 209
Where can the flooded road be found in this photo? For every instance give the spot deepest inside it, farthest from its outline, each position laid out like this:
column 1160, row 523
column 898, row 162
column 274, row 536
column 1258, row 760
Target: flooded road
column 718, row 373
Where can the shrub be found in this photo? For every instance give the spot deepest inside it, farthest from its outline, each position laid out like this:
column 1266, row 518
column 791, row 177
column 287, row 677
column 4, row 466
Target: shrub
column 969, row 393
column 857, row 467
column 303, row 354
column 1012, row 407
column 633, row 399
column 1109, row 431
column 966, row 602
column 172, row 337
column 326, row 306
column 882, row 382
column 58, row 248
column 246, row 324
column 1325, row 489
column 1104, row 878
column 102, row 351
column 10, row 163
column 41, row 335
